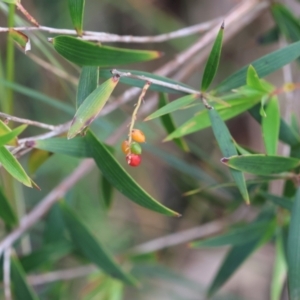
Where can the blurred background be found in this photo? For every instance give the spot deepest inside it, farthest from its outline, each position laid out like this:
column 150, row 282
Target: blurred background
column 166, row 272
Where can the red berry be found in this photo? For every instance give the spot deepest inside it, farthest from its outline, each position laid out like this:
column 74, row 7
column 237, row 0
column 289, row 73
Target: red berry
column 133, row 160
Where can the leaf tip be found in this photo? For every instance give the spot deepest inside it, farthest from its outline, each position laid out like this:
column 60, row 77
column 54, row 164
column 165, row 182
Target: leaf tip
column 30, row 144
column 224, row 160
column 223, row 25
column 177, row 215
column 160, row 54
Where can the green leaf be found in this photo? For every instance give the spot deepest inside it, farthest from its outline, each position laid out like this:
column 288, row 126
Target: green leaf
column 234, row 237
column 76, row 8
column 288, row 24
column 278, row 200
column 286, row 133
column 77, row 147
column 227, row 147
column 180, row 165
column 238, row 254
column 121, row 180
column 21, row 289
column 106, row 73
column 48, row 254
column 6, row 138
column 20, row 39
column 36, row 158
column 91, row 248
column 13, row 167
column 279, row 270
column 261, row 164
column 293, row 250
column 7, row 214
column 33, row 94
column 4, row 129
column 177, row 104
column 213, row 60
column 255, row 82
column 92, row 106
column 107, row 191
column 54, row 227
column 169, row 124
column 201, row 120
column 88, row 82
column 89, row 54
column 270, row 126
column 269, row 37
column 263, row 66
column 11, row 1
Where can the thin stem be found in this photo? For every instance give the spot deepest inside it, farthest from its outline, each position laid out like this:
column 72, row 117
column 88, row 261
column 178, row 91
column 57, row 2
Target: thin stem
column 135, row 111
column 188, row 235
column 156, row 81
column 6, row 273
column 62, row 275
column 26, row 121
column 109, row 37
column 8, row 102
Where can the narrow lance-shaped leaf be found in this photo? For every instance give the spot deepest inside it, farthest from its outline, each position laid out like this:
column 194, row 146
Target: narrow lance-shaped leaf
column 168, row 123
column 76, row 8
column 21, row 39
column 175, row 105
column 36, row 158
column 11, row 135
column 234, row 236
column 21, row 289
column 269, row 37
column 261, row 164
column 92, row 106
column 107, row 191
column 121, row 180
column 11, row 1
column 293, row 250
column 201, row 120
column 13, row 167
column 263, row 66
column 88, row 82
column 212, row 63
column 138, row 82
column 270, row 126
column 4, row 129
column 77, row 147
column 286, row 133
column 279, row 269
column 238, row 254
column 279, row 200
column 227, row 147
column 7, row 214
column 91, row 248
column 49, row 253
column 89, row 54
column 255, row 82
column 287, row 22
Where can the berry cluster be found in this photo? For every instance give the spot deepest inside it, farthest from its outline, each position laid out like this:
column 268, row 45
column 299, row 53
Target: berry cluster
column 132, row 148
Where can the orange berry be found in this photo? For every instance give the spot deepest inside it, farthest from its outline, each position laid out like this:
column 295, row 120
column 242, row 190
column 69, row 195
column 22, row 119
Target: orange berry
column 135, row 148
column 125, row 147
column 133, row 160
column 138, row 136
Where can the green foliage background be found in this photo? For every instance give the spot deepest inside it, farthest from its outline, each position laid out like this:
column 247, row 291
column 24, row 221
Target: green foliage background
column 94, row 228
